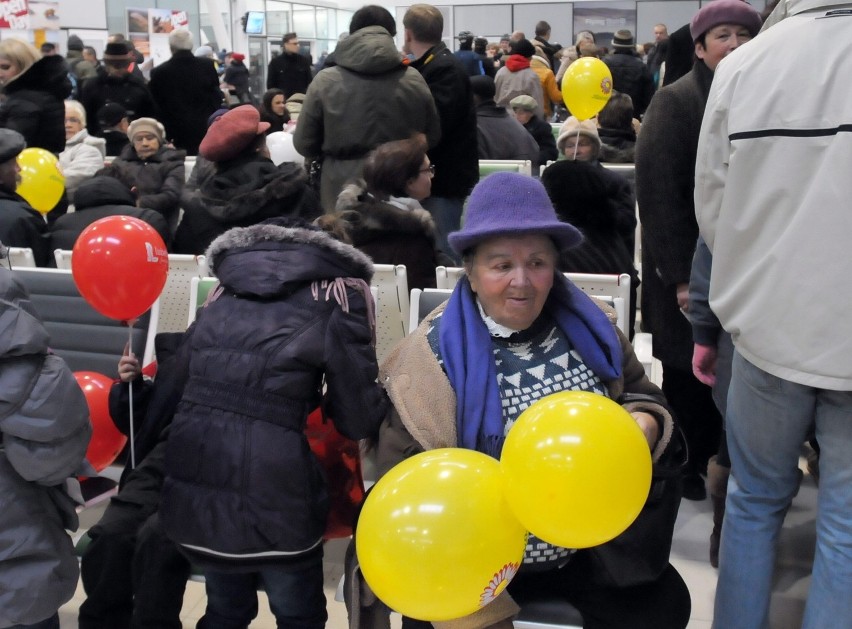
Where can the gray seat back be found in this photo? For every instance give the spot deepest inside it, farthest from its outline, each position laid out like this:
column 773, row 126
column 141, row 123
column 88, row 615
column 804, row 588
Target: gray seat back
column 84, row 338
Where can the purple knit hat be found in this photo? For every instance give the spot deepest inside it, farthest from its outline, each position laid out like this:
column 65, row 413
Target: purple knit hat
column 725, row 12
column 510, row 204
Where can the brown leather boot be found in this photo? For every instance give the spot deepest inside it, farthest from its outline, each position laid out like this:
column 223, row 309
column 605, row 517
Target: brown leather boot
column 717, row 487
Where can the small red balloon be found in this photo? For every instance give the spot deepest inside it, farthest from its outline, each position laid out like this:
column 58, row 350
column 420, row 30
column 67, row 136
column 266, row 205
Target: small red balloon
column 107, row 442
column 120, row 264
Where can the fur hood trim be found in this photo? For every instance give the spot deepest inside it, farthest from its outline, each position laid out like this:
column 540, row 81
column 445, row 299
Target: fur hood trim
column 367, row 214
column 245, row 237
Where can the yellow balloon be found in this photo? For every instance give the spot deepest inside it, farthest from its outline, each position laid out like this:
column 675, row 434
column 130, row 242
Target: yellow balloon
column 586, row 87
column 576, row 468
column 42, row 181
column 436, row 539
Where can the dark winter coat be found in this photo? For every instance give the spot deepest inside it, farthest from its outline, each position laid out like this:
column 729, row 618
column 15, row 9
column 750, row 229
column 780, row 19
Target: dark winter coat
column 290, row 72
column 127, row 90
column 501, row 136
column 631, row 76
column 542, row 133
column 44, row 431
column 22, row 226
column 237, row 76
column 186, row 91
column 618, row 146
column 455, row 157
column 471, row 62
column 665, row 180
column 391, row 235
column 370, row 97
column 158, row 180
column 583, row 195
column 98, row 198
column 34, row 105
column 242, row 487
column 115, row 142
column 240, row 194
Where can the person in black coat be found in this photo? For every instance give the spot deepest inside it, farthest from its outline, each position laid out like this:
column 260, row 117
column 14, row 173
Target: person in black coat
column 186, row 91
column 525, row 107
column 97, row 198
column 456, row 156
column 236, row 78
column 34, row 89
column 117, row 85
column 290, row 71
column 20, row 224
column 112, row 119
column 273, row 110
column 629, row 74
column 582, row 196
column 245, row 187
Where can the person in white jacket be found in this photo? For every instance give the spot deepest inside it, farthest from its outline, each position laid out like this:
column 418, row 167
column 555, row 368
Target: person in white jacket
column 772, row 190
column 84, row 154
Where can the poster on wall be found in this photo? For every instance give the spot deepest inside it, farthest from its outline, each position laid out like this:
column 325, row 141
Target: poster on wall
column 44, row 15
column 150, row 28
column 604, row 21
column 14, row 14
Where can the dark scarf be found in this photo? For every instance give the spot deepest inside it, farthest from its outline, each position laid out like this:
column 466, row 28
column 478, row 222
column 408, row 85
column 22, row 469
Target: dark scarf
column 465, row 346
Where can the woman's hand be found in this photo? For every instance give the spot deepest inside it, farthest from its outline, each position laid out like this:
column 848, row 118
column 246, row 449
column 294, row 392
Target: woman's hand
column 128, row 366
column 649, row 426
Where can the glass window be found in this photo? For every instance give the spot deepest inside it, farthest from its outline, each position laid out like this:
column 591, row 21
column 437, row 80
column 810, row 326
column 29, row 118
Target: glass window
column 304, row 22
column 277, row 18
column 324, row 17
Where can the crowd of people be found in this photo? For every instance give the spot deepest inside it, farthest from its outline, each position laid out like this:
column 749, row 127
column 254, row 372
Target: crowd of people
column 371, row 157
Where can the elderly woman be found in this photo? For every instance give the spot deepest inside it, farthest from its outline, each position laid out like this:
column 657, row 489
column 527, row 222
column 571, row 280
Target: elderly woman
column 514, row 328
column 84, row 154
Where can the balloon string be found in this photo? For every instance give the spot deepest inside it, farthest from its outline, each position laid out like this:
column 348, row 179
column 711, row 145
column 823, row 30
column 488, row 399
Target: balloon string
column 576, row 143
column 130, row 388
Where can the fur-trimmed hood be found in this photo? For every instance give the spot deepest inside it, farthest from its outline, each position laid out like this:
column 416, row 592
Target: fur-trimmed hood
column 264, row 259
column 370, row 217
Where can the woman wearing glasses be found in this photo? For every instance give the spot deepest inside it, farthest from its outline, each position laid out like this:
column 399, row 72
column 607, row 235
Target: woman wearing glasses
column 388, row 222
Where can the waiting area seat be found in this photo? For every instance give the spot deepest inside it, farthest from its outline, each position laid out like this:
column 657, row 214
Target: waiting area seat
column 491, row 166
column 392, row 306
column 174, row 300
column 84, row 338
column 20, row 257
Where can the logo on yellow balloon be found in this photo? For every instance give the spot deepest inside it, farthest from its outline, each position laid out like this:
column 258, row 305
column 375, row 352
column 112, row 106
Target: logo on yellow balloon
column 498, row 583
column 606, row 85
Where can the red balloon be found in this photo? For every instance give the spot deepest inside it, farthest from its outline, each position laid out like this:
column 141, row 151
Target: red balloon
column 120, row 264
column 107, row 442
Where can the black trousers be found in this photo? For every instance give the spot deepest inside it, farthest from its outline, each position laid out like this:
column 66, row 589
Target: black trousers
column 696, row 413
column 661, row 604
column 133, row 580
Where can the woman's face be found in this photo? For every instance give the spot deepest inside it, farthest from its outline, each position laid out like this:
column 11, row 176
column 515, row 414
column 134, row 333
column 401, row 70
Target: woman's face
column 420, row 187
column 8, row 70
column 73, row 123
column 145, row 144
column 512, row 276
column 584, row 147
column 277, row 105
column 719, row 42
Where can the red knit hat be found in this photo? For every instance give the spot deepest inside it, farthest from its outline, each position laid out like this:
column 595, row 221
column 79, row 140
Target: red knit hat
column 232, row 133
column 238, row 56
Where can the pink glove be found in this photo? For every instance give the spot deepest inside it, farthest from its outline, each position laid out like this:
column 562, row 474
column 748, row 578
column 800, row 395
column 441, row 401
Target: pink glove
column 704, row 363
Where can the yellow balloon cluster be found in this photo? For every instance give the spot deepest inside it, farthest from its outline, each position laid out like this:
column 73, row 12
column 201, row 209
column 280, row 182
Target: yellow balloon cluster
column 443, row 533
column 436, row 539
column 577, row 469
column 586, row 87
column 42, row 181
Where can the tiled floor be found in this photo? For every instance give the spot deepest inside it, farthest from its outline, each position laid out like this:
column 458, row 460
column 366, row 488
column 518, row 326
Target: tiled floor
column 689, row 555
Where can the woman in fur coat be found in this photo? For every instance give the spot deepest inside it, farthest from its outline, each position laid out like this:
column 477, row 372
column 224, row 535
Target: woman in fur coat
column 387, row 221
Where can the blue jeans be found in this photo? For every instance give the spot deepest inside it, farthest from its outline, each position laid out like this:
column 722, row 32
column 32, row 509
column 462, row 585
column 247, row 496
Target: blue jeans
column 446, row 213
column 768, row 419
column 47, row 623
column 296, row 598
